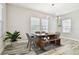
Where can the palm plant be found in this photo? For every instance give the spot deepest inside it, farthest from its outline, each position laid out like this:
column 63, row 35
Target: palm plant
column 12, row 36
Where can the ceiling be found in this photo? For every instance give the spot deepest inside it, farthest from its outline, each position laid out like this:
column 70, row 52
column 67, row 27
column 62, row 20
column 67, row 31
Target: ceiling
column 57, row 9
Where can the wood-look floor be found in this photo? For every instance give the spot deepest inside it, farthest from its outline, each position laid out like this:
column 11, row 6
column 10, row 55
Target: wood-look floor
column 69, row 47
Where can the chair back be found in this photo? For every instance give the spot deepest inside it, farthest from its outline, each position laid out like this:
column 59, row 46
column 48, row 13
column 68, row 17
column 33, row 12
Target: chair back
column 28, row 37
column 58, row 34
column 37, row 32
column 31, row 37
column 43, row 32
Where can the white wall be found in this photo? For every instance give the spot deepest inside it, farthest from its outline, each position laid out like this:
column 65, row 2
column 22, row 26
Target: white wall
column 52, row 25
column 18, row 18
column 74, row 16
column 4, row 27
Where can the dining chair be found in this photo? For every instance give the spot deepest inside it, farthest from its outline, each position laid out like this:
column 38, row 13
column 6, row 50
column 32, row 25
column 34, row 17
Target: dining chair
column 37, row 32
column 31, row 40
column 43, row 32
column 58, row 34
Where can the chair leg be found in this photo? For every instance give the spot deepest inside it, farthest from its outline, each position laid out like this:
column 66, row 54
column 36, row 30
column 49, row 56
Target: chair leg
column 34, row 44
column 27, row 44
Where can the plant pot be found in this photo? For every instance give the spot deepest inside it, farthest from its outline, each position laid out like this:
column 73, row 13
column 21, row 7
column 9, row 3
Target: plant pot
column 13, row 43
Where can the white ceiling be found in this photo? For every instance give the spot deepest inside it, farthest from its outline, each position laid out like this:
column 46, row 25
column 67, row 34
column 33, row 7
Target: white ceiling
column 57, row 9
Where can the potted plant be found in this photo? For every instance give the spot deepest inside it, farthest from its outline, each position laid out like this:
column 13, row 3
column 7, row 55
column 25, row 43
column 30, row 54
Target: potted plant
column 12, row 36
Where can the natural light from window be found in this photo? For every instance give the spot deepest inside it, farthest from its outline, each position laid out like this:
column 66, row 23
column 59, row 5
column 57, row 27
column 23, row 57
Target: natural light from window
column 66, row 26
column 38, row 24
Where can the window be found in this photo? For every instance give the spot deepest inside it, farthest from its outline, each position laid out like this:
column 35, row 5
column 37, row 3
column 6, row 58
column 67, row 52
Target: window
column 44, row 25
column 38, row 24
column 66, row 25
column 1, row 20
column 35, row 24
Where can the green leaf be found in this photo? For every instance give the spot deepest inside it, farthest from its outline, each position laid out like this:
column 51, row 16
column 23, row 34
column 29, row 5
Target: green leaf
column 6, row 38
column 9, row 33
column 12, row 36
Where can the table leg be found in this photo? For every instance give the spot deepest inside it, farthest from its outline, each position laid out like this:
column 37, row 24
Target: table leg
column 57, row 42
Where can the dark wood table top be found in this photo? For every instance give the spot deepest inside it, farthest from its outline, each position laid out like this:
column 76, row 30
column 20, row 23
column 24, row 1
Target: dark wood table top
column 44, row 34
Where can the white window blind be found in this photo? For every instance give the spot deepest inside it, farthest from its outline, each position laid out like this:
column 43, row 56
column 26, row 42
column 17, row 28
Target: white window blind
column 38, row 24
column 35, row 24
column 44, row 25
column 66, row 26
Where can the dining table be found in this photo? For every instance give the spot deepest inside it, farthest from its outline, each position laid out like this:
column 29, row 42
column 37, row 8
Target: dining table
column 48, row 37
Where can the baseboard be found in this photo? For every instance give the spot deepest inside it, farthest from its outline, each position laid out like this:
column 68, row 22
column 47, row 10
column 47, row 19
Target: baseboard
column 70, row 38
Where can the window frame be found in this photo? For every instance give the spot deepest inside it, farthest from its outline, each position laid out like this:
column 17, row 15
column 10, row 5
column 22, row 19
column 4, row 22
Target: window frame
column 67, row 26
column 40, row 23
column 31, row 23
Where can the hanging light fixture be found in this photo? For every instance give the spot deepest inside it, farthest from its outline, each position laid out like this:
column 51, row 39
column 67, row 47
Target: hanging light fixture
column 52, row 4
